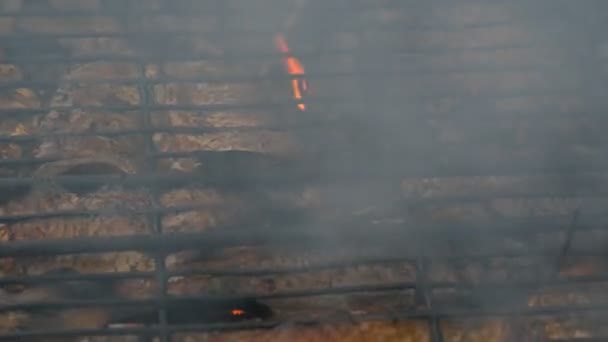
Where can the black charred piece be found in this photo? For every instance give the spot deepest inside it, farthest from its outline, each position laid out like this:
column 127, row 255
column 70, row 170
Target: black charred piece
column 189, row 311
column 179, row 310
column 90, row 169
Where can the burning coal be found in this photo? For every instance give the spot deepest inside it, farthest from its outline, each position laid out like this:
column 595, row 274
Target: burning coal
column 294, row 68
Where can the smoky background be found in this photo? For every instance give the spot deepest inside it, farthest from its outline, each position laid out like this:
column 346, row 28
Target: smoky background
column 449, row 142
column 458, row 129
column 482, row 102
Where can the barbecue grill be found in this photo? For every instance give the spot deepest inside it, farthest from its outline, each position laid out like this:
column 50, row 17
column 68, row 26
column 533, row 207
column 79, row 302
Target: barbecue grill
column 303, row 170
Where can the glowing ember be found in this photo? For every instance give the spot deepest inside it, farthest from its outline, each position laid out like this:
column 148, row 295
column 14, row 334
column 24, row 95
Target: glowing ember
column 238, row 312
column 294, row 68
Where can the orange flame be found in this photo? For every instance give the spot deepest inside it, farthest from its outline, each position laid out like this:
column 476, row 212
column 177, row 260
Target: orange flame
column 295, row 68
column 237, row 312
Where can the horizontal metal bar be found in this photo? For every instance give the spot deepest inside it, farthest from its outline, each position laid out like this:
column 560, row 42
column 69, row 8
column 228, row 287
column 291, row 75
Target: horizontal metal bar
column 487, row 140
column 147, row 331
column 157, row 303
column 21, row 38
column 530, row 227
column 527, row 225
column 421, row 314
column 508, row 226
column 124, row 108
column 138, row 131
column 13, row 218
column 260, row 272
column 380, row 73
column 557, row 193
column 312, row 101
column 253, row 56
column 417, row 314
column 480, row 287
column 149, row 243
column 190, row 11
column 581, row 339
column 167, row 180
column 320, row 236
column 354, row 262
column 536, row 120
column 47, row 279
column 151, row 303
column 400, row 287
column 292, row 175
column 570, row 309
column 307, row 125
column 271, row 210
column 354, row 26
column 484, row 140
column 583, row 190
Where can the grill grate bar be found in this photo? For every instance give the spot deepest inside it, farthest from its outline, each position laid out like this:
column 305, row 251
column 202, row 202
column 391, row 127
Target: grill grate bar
column 252, row 56
column 530, row 286
column 418, row 314
column 424, row 298
column 580, row 339
column 15, row 39
column 459, row 285
column 284, row 181
column 368, row 73
column 572, row 227
column 223, row 31
column 325, row 100
column 176, row 10
column 300, row 176
column 269, row 210
column 176, row 241
column 154, row 218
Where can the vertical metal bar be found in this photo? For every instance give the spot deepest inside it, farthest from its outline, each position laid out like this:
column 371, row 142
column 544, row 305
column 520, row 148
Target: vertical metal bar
column 536, row 292
column 570, row 230
column 423, row 296
column 222, row 9
column 154, row 218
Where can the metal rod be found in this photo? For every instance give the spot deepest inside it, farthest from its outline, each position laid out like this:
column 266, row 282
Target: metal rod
column 354, row 262
column 335, row 291
column 568, row 240
column 367, row 73
column 253, row 56
column 255, row 236
column 154, row 218
column 445, row 168
column 175, row 10
column 415, row 315
column 464, row 94
column 423, row 292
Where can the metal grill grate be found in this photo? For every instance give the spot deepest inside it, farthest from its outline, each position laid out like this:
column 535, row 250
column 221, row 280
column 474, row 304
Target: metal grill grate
column 474, row 131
